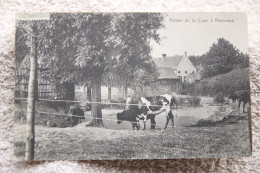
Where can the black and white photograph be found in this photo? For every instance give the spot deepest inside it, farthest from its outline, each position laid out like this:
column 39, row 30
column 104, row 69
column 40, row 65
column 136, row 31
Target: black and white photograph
column 109, row 86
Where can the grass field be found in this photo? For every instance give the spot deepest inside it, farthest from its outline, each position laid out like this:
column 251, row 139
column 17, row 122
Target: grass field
column 227, row 138
column 81, row 143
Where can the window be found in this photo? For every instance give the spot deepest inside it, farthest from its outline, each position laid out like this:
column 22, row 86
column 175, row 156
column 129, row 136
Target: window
column 192, row 71
column 185, row 71
column 179, row 71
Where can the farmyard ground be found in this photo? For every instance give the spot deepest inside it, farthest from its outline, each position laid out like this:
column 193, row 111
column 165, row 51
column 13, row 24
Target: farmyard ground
column 226, row 138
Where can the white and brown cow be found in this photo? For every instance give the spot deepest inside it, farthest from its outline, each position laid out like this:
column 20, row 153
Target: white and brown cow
column 131, row 113
column 146, row 108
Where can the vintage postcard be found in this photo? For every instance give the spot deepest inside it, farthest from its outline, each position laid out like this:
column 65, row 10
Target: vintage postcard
column 105, row 86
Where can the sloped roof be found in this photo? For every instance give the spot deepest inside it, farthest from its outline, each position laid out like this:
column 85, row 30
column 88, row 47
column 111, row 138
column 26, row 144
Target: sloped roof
column 167, row 73
column 171, row 61
column 195, row 76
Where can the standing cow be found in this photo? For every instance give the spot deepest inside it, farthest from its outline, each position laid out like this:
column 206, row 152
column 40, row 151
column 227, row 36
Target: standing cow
column 146, row 108
column 241, row 96
column 149, row 104
column 136, row 110
column 244, row 96
column 131, row 113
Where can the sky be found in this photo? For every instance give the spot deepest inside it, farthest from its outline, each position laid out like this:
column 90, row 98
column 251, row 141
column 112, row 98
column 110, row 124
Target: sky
column 196, row 32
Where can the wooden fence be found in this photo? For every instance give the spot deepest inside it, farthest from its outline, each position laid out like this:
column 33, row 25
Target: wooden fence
column 45, row 89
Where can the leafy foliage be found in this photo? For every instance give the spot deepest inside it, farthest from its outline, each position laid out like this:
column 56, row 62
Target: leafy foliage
column 73, row 46
column 131, row 60
column 222, row 58
column 95, row 47
column 235, row 80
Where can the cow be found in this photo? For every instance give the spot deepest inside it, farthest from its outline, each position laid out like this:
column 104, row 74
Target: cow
column 131, row 113
column 146, row 108
column 241, row 96
column 76, row 114
column 156, row 105
column 136, row 110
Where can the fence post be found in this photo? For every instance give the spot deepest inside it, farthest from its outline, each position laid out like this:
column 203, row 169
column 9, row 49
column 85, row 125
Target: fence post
column 32, row 94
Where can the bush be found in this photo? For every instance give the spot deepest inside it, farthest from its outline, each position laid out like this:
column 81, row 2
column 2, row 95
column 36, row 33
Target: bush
column 188, row 89
column 219, row 98
column 53, row 120
column 49, row 115
column 195, row 101
column 203, row 88
column 235, row 80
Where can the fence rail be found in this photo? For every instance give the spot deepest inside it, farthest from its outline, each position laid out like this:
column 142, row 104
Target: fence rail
column 102, row 103
column 107, row 119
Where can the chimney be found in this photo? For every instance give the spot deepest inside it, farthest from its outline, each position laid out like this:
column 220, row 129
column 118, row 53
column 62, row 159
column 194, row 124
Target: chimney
column 185, row 54
column 163, row 56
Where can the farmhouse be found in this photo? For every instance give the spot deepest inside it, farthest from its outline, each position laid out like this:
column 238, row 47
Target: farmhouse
column 174, row 71
column 181, row 65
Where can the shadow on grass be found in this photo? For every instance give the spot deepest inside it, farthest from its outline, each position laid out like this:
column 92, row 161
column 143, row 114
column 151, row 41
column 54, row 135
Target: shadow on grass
column 230, row 119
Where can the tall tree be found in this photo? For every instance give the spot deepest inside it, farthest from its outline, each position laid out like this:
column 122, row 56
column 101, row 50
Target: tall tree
column 134, row 31
column 221, row 58
column 93, row 55
column 82, row 48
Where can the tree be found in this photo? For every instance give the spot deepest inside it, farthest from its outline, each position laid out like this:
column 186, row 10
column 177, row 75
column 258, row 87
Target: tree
column 118, row 44
column 221, row 58
column 134, row 31
column 143, row 77
column 53, row 61
column 83, row 48
column 93, row 55
column 243, row 60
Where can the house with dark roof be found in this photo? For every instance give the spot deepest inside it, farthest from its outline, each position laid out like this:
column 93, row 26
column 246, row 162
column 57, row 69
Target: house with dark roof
column 173, row 70
column 167, row 82
column 180, row 65
column 167, row 73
